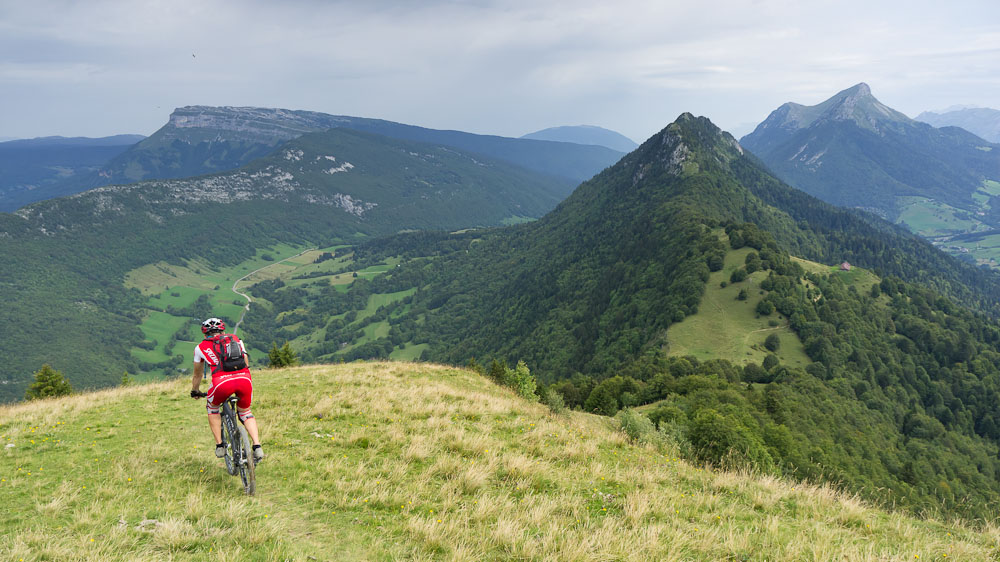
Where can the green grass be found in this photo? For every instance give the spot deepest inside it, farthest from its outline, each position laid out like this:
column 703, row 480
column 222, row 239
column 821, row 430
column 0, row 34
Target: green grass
column 408, row 353
column 727, row 328
column 932, row 218
column 379, row 300
column 939, row 222
column 157, row 326
column 401, row 461
column 985, row 250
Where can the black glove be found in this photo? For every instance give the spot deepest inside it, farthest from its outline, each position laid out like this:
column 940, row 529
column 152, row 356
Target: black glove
column 198, row 394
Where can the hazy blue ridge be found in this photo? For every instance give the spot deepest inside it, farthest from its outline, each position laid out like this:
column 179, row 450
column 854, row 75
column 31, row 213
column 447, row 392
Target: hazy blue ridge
column 981, row 121
column 34, row 169
column 585, row 134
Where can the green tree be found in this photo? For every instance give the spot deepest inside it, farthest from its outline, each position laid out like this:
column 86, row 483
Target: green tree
column 724, row 440
column 126, row 380
column 48, row 382
column 772, row 342
column 770, row 362
column 522, row 381
column 765, row 308
column 602, row 401
column 284, row 356
column 498, row 371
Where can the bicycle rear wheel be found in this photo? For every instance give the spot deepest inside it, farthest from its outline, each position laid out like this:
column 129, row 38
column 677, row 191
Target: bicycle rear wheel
column 231, row 438
column 247, row 469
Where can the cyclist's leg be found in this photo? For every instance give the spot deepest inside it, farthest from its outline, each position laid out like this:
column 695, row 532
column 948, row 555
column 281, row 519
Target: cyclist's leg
column 212, row 404
column 244, row 395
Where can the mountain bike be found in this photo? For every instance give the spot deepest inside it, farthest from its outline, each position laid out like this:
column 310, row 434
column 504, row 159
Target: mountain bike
column 239, row 448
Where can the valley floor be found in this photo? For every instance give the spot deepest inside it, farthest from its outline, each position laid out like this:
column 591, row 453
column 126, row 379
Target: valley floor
column 401, row 461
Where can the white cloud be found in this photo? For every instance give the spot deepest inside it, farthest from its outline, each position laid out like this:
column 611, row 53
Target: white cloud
column 505, row 67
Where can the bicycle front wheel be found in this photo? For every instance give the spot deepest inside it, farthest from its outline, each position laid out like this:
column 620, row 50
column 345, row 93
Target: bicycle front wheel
column 247, row 469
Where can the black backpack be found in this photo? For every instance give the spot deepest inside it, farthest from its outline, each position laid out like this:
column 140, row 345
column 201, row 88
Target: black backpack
column 230, row 354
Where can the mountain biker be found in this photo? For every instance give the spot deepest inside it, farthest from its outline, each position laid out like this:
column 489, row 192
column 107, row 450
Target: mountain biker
column 223, row 385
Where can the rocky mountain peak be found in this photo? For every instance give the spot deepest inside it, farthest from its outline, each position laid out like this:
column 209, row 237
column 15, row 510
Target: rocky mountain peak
column 262, row 124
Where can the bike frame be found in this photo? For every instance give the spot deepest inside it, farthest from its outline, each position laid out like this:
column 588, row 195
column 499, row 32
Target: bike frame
column 239, row 456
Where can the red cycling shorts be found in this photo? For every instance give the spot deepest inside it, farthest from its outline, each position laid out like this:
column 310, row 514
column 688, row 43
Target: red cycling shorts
column 224, row 386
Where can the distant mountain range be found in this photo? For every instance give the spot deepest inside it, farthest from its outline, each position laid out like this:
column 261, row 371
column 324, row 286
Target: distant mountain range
column 32, row 169
column 854, row 151
column 981, row 121
column 201, row 140
column 586, row 134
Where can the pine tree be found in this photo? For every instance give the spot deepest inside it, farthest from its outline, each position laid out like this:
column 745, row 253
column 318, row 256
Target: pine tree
column 497, row 371
column 126, row 380
column 284, row 356
column 274, row 356
column 288, row 356
column 48, row 382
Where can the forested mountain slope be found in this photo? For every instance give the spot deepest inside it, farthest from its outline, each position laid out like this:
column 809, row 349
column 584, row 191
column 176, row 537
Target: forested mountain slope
column 898, row 402
column 65, row 259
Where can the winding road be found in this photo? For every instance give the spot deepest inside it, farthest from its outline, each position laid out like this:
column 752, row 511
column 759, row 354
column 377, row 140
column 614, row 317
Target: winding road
column 246, row 296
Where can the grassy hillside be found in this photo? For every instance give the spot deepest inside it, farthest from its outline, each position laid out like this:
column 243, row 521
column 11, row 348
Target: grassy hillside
column 727, row 328
column 388, row 461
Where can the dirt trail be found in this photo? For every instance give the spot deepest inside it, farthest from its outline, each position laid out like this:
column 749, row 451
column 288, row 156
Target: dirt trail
column 246, row 296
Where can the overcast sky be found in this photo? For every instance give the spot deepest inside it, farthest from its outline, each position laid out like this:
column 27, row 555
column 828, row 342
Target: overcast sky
column 99, row 68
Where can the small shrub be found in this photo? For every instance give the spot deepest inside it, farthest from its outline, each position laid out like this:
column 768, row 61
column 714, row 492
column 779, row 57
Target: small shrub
column 554, row 400
column 634, row 424
column 522, row 381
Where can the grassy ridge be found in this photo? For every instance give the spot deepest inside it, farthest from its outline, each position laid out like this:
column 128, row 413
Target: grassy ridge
column 389, row 461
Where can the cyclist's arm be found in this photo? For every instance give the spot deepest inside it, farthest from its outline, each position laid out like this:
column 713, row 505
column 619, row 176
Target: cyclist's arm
column 199, row 371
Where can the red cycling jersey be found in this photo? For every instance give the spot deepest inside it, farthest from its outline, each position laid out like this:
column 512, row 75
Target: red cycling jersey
column 224, row 383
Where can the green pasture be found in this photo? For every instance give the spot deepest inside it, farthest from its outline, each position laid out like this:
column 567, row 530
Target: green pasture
column 157, row 326
column 377, row 301
column 181, row 285
column 986, row 250
column 726, row 328
column 932, row 218
column 408, row 353
column 990, row 188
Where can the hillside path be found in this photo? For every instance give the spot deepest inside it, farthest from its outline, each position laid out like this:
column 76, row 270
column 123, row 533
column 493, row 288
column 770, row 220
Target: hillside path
column 246, row 296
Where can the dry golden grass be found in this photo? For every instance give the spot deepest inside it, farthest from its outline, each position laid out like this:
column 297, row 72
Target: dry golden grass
column 403, row 461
